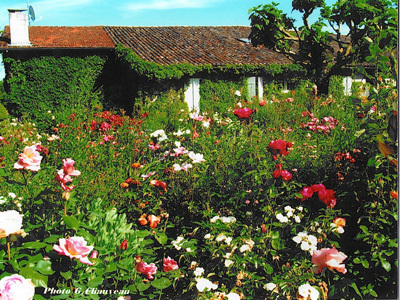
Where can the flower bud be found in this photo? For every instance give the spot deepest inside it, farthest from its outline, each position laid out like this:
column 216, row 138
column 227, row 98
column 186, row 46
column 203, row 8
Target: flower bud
column 66, row 195
column 13, row 238
column 124, row 245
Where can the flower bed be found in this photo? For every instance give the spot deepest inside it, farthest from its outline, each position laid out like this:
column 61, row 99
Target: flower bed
column 301, row 205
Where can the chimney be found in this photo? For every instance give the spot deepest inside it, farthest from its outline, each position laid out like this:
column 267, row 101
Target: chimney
column 19, row 27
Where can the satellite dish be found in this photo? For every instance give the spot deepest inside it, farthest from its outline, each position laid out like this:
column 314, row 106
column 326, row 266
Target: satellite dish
column 31, row 13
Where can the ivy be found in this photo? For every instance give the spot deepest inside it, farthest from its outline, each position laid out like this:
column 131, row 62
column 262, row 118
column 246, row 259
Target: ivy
column 157, row 72
column 56, row 84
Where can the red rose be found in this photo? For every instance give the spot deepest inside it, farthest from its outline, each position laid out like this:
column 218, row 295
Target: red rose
column 243, row 112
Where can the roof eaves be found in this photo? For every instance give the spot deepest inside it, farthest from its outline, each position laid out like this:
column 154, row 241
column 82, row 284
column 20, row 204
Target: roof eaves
column 53, row 48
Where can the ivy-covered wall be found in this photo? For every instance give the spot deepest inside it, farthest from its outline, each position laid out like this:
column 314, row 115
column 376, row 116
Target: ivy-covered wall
column 219, row 95
column 38, row 85
column 62, row 81
column 156, row 72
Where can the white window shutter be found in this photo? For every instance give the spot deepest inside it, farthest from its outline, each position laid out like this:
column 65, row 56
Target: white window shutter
column 260, row 88
column 192, row 95
column 251, row 86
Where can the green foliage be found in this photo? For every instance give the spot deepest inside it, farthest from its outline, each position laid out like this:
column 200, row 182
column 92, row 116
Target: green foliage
column 60, row 85
column 166, row 110
column 372, row 25
column 155, row 72
column 219, row 95
column 336, row 88
column 227, row 214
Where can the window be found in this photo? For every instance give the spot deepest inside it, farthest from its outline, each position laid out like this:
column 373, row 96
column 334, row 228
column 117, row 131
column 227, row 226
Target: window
column 255, row 87
column 192, row 94
column 348, row 82
column 289, row 86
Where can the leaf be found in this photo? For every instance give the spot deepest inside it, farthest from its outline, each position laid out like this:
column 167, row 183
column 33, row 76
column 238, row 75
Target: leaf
column 364, row 228
column 3, row 172
column 359, row 133
column 356, row 260
column 371, row 162
column 386, row 265
column 51, row 239
column 275, row 235
column 142, row 287
column 365, row 264
column 142, row 233
column 72, row 222
column 132, row 288
column 268, row 269
column 95, row 282
column 38, row 279
column 354, row 286
column 276, row 244
column 34, row 245
column 161, row 283
column 67, row 275
column 44, row 267
column 161, row 237
column 385, row 150
column 38, row 297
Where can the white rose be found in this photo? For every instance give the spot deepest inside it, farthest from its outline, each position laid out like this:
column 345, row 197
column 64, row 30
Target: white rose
column 16, row 287
column 270, row 286
column 228, row 262
column 205, row 284
column 198, row 272
column 10, row 222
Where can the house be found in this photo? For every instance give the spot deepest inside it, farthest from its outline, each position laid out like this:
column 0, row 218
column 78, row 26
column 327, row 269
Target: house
column 146, row 60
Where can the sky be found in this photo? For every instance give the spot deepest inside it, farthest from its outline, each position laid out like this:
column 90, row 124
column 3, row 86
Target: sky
column 137, row 12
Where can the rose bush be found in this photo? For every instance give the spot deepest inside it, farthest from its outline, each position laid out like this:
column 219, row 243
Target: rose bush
column 208, row 206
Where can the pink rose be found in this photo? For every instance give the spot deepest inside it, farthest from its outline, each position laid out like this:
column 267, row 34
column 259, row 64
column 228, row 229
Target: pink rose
column 179, row 151
column 196, row 117
column 74, row 247
column 29, row 159
column 243, row 112
column 63, row 180
column 68, row 168
column 10, row 223
column 64, row 175
column 148, row 270
column 169, row 264
column 16, row 287
column 330, row 258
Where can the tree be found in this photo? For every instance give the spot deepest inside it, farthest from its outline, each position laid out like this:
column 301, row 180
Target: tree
column 371, row 24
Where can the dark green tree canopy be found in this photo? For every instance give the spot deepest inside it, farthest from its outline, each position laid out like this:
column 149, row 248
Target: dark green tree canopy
column 321, row 47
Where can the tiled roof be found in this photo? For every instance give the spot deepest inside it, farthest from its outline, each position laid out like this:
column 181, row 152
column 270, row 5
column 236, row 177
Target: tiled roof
column 63, row 37
column 215, row 45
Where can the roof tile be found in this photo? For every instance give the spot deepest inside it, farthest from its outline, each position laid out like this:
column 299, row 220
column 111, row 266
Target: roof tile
column 215, row 45
column 165, row 45
column 63, row 37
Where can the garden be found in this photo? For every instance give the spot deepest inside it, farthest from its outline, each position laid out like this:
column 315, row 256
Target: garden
column 290, row 197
